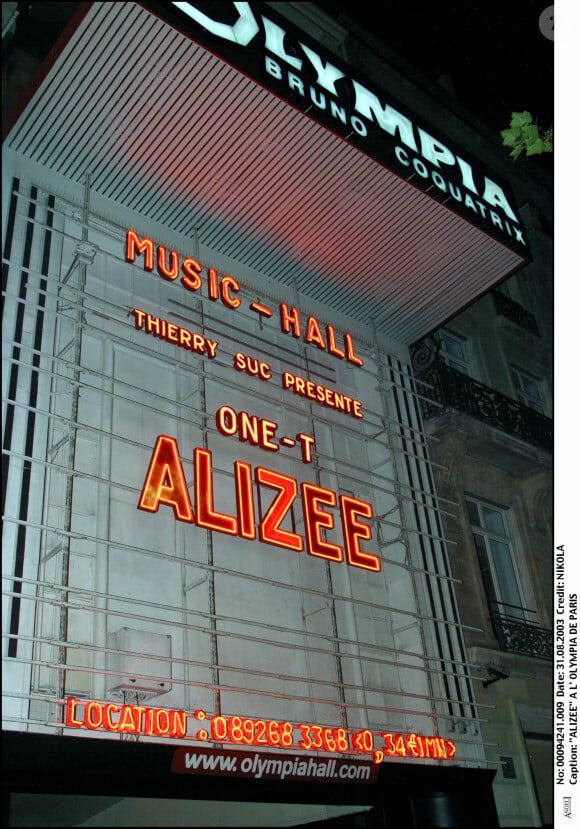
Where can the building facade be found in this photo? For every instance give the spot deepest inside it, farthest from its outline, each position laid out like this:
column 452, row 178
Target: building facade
column 490, row 369
column 239, row 579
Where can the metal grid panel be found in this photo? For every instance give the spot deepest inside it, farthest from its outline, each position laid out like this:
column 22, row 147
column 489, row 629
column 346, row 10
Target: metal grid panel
column 92, row 566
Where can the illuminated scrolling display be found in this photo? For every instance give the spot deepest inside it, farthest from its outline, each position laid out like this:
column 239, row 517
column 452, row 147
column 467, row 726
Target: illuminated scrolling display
column 247, row 731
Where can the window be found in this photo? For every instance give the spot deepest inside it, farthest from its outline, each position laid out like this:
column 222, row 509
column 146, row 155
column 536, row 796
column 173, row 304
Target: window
column 528, row 389
column 496, row 559
column 454, row 351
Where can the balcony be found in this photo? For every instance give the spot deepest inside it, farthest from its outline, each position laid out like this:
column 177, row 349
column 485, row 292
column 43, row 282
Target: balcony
column 513, row 311
column 452, row 389
column 517, row 635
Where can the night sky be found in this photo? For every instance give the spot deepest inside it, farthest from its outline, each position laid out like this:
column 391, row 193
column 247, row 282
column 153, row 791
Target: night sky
column 494, row 52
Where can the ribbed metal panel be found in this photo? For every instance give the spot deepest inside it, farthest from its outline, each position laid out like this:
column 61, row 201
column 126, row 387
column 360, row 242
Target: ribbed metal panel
column 169, row 130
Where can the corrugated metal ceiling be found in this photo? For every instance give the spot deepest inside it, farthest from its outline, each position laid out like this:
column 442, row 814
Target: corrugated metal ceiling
column 171, row 131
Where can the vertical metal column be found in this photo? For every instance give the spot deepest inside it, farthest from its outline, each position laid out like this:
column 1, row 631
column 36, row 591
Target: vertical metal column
column 328, row 572
column 461, row 679
column 214, row 654
column 403, row 534
column 80, row 262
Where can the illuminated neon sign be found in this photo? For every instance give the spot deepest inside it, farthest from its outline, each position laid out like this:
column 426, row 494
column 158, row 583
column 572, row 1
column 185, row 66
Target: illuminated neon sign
column 172, row 333
column 248, row 731
column 165, row 484
column 225, row 288
column 165, row 479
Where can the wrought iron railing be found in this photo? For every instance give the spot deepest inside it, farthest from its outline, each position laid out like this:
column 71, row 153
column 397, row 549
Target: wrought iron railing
column 513, row 311
column 517, row 634
column 452, row 389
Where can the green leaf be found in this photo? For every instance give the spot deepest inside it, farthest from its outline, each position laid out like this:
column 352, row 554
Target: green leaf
column 530, row 133
column 535, row 148
column 520, row 118
column 523, row 134
column 509, row 138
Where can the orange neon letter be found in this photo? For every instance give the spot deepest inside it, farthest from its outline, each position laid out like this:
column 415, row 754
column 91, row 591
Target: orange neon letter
column 164, row 271
column 430, row 746
column 226, row 420
column 93, row 722
column 107, row 721
column 145, row 246
column 245, row 500
column 178, row 723
column 227, row 283
column 289, row 319
column 315, row 518
column 332, row 346
column 314, row 334
column 165, row 481
column 191, row 277
column 159, row 728
column 71, row 704
column 353, row 530
column 350, row 355
column 127, row 721
column 270, row 532
column 213, row 284
column 306, row 442
column 206, row 515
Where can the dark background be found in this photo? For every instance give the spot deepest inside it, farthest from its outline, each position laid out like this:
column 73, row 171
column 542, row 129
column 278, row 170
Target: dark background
column 497, row 58
column 493, row 51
